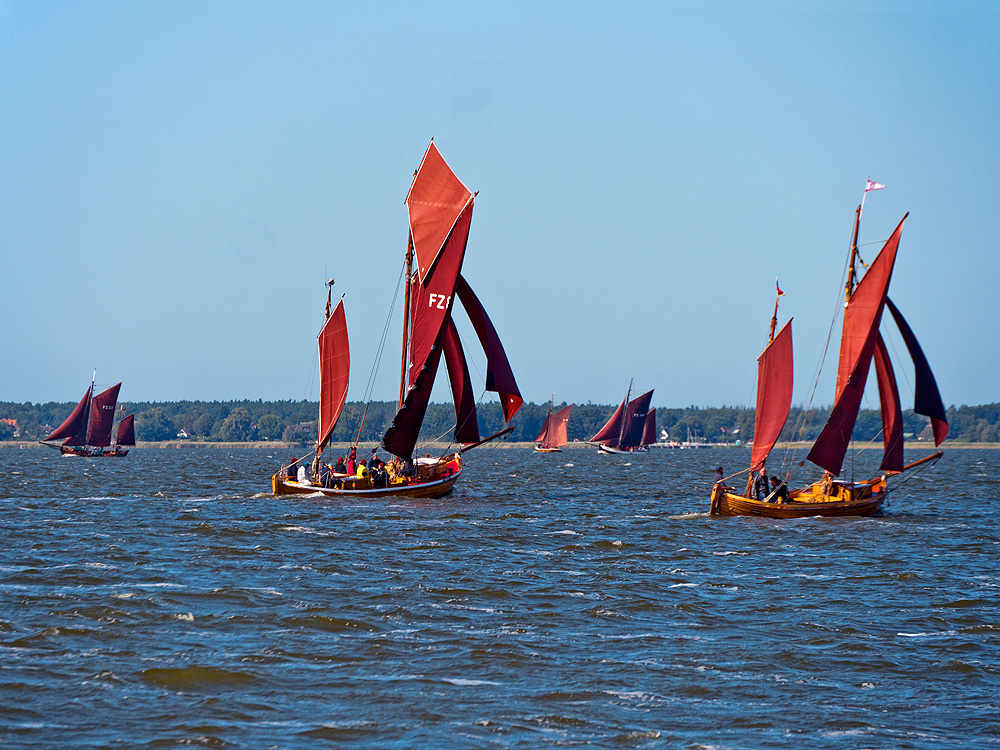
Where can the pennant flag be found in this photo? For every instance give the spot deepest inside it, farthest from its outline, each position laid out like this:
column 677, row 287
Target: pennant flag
column 780, row 293
column 869, row 185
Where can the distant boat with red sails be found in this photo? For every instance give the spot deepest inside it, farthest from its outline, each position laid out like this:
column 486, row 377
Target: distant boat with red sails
column 861, row 344
column 631, row 428
column 88, row 430
column 440, row 214
column 555, row 430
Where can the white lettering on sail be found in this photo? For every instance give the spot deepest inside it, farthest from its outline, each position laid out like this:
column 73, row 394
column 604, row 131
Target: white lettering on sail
column 440, row 301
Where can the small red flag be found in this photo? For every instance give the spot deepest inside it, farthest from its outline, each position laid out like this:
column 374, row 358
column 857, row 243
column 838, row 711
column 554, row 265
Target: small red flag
column 780, row 293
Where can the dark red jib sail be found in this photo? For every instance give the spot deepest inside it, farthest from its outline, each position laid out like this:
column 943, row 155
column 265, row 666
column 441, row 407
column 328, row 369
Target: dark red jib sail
column 892, row 413
column 649, row 430
column 74, row 428
column 466, row 418
column 334, row 372
column 435, row 200
column 861, row 322
column 499, row 375
column 636, row 413
column 775, row 375
column 102, row 417
column 926, row 396
column 126, row 430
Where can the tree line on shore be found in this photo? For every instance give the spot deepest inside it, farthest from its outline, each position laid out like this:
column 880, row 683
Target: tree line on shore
column 295, row 422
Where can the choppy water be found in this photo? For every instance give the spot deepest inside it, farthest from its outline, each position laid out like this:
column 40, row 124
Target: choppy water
column 570, row 600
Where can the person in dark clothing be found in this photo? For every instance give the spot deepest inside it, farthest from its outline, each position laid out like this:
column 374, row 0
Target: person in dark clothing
column 717, row 476
column 760, row 488
column 324, row 474
column 341, row 467
column 779, row 491
column 290, row 472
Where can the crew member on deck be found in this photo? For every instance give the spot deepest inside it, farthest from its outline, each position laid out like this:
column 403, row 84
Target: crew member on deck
column 362, row 469
column 717, row 476
column 779, row 491
column 760, row 488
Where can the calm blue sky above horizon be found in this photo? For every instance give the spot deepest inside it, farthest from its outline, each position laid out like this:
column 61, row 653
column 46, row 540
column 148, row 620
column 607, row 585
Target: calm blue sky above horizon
column 180, row 178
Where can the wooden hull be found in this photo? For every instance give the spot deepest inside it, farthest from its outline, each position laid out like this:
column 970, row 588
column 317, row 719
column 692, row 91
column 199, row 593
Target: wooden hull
column 540, row 449
column 842, row 499
column 435, row 480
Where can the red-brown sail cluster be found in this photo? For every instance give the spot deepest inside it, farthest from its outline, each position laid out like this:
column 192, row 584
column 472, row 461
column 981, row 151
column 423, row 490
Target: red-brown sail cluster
column 554, row 432
column 440, row 210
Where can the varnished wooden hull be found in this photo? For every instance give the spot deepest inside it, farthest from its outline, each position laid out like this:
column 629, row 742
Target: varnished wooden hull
column 725, row 502
column 432, row 481
column 540, row 449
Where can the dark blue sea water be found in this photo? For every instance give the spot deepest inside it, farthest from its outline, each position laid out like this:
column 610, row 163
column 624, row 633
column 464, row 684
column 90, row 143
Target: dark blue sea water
column 562, row 600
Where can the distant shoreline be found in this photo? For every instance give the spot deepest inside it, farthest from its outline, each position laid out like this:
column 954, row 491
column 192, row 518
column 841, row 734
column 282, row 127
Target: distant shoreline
column 334, row 447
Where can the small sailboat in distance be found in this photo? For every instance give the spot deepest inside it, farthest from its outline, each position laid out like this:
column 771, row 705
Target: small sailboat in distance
column 629, row 429
column 861, row 345
column 440, row 215
column 88, row 429
column 554, row 434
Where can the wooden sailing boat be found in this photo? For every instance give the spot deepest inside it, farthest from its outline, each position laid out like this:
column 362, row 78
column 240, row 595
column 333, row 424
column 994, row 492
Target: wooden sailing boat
column 630, row 428
column 87, row 430
column 440, row 214
column 554, row 431
column 861, row 344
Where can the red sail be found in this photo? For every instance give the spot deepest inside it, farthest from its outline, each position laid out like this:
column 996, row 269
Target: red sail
column 926, row 397
column 334, row 372
column 435, row 201
column 126, row 430
column 636, row 413
column 401, row 437
column 612, row 431
column 102, row 417
column 649, row 430
column 861, row 314
column 431, row 300
column 554, row 432
column 830, row 448
column 466, row 419
column 499, row 375
column 75, row 426
column 892, row 413
column 774, row 395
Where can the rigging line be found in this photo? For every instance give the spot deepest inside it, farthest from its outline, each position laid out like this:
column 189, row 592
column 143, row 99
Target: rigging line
column 385, row 334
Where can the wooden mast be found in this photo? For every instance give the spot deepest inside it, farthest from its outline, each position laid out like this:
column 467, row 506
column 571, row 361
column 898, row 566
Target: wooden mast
column 625, row 415
column 406, row 320
column 852, row 272
column 326, row 317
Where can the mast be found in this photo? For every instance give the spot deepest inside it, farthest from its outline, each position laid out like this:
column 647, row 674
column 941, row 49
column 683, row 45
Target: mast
column 626, row 416
column 852, row 271
column 326, row 317
column 406, row 320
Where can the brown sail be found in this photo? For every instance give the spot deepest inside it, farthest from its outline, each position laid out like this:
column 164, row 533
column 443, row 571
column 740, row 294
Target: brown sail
column 334, row 372
column 775, row 378
column 555, row 430
column 74, row 428
column 102, row 417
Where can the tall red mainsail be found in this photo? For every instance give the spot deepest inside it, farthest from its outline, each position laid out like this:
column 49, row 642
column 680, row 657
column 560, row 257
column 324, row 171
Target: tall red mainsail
column 102, row 417
column 334, row 372
column 861, row 322
column 74, row 428
column 775, row 375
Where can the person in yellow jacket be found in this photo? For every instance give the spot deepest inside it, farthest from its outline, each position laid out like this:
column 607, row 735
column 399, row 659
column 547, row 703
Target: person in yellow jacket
column 362, row 469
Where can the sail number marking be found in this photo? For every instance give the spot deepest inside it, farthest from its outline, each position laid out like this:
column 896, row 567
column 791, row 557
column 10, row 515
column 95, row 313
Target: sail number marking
column 440, row 301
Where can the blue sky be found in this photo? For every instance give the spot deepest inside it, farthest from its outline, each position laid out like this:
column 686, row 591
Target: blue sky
column 178, row 179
